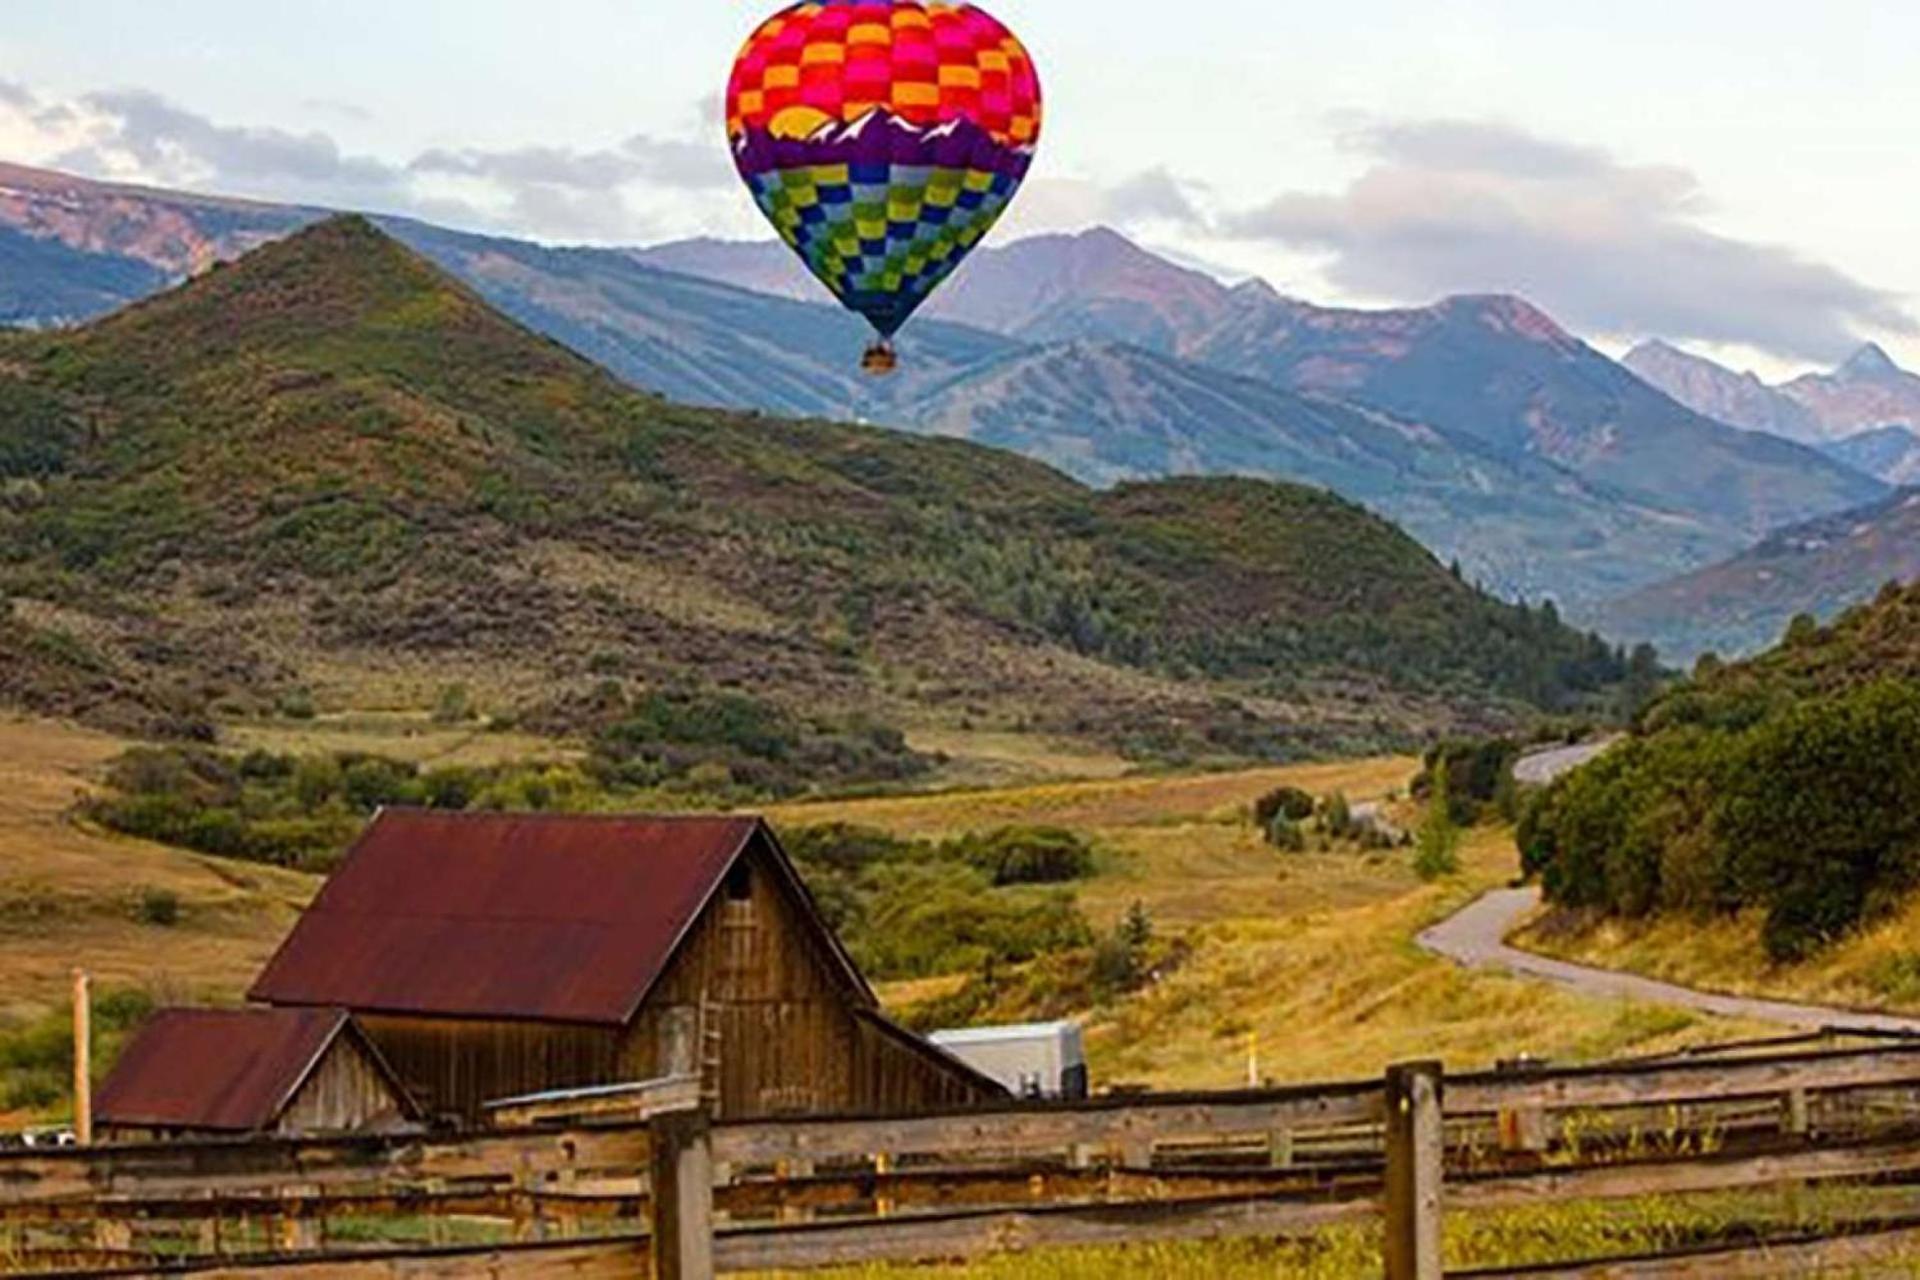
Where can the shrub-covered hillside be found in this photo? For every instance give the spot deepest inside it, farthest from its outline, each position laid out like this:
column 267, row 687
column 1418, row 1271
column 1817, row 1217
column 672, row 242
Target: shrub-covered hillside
column 330, row 460
column 1788, row 783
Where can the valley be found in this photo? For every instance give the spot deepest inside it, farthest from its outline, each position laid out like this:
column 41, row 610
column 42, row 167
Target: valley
column 897, row 645
column 1310, row 954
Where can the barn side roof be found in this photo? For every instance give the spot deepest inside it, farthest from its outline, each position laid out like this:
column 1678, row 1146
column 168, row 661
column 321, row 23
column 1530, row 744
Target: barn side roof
column 226, row 1070
column 562, row 918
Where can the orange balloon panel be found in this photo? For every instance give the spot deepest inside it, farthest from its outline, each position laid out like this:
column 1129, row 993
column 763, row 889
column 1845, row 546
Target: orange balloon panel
column 834, row 61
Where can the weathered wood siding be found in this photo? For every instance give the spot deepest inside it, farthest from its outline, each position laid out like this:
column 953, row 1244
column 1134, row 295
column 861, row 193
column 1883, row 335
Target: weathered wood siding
column 791, row 1041
column 345, row 1094
column 453, row 1065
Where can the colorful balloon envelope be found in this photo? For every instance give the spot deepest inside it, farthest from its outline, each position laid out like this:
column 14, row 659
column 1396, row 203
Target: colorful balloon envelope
column 883, row 139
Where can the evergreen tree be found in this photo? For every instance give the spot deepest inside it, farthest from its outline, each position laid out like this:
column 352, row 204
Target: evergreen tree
column 1437, row 853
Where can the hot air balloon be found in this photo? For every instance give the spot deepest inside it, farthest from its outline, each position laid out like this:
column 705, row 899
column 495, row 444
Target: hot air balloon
column 883, row 139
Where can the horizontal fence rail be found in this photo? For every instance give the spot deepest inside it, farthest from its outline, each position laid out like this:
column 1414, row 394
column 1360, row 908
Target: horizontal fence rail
column 681, row 1197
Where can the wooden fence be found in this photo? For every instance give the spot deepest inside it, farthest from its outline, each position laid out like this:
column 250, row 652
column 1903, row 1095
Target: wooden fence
column 684, row 1198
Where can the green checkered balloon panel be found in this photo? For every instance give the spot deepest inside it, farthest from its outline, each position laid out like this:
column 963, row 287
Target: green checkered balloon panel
column 882, row 236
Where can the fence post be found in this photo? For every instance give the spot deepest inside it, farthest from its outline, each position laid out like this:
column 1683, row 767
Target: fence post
column 1416, row 1154
column 82, row 1058
column 682, row 1183
column 1795, row 1116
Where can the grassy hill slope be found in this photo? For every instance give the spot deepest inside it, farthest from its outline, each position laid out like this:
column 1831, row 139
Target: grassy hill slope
column 330, row 465
column 1784, row 788
column 1818, row 567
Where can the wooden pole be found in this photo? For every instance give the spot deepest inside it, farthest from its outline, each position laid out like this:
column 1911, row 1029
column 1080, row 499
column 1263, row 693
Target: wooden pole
column 1416, row 1151
column 682, row 1186
column 82, row 1059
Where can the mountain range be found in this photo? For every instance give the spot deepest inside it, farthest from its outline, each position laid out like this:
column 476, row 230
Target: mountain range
column 1862, row 414
column 1868, row 392
column 332, row 466
column 1495, row 437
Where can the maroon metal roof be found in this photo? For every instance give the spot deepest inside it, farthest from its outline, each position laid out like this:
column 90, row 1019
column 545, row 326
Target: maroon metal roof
column 551, row 917
column 229, row 1070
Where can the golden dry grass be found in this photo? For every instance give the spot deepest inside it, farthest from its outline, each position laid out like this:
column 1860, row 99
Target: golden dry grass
column 1102, row 803
column 1336, row 990
column 984, row 758
column 1311, row 954
column 1551, row 1232
column 69, row 894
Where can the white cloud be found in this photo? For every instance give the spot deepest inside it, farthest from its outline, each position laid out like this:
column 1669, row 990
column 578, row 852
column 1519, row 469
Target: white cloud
column 1610, row 248
column 615, row 193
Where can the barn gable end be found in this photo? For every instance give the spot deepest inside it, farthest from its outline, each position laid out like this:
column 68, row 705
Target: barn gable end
column 250, row 1071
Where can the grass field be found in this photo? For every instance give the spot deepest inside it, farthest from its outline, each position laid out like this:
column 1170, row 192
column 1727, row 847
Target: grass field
column 1309, row 955
column 412, row 736
column 71, row 895
column 1312, row 956
column 74, row 896
column 1552, row 1233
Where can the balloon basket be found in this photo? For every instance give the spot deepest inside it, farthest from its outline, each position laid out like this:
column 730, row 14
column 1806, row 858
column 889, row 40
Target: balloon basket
column 880, row 359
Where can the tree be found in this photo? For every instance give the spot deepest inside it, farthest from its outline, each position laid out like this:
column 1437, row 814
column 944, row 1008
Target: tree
column 1120, row 958
column 1437, row 853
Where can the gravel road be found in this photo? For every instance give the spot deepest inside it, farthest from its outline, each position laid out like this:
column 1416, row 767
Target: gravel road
column 1476, row 938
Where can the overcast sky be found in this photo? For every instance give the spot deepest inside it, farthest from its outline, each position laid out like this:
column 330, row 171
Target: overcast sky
column 1735, row 175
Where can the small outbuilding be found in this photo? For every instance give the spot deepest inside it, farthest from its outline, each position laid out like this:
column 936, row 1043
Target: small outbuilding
column 498, row 956
column 207, row 1073
column 1031, row 1060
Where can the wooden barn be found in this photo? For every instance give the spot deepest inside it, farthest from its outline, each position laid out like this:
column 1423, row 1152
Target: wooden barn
column 494, row 956
column 199, row 1073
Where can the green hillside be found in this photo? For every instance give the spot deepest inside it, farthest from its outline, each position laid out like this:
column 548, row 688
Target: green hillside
column 329, row 469
column 1818, row 567
column 1789, row 783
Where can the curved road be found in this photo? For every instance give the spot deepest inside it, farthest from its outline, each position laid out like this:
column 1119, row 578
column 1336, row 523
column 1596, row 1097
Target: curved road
column 1542, row 767
column 1476, row 938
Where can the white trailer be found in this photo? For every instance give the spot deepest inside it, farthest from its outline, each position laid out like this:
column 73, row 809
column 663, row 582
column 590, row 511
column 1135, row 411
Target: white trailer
column 1034, row 1060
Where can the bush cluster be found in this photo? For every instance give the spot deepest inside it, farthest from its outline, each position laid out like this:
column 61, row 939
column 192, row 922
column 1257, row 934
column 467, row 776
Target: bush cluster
column 680, row 750
column 1479, row 778
column 1809, row 812
column 760, row 748
column 915, row 908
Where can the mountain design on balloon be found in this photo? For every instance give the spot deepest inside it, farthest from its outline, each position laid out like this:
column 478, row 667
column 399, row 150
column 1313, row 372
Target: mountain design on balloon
column 883, row 139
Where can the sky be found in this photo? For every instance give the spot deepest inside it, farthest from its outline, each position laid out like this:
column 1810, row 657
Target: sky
column 1736, row 176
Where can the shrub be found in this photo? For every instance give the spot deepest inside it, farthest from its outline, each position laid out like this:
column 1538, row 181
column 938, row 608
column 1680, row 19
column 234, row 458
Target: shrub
column 1288, row 802
column 1811, row 812
column 1028, row 855
column 1120, row 959
column 1284, row 834
column 1336, row 817
column 454, row 705
column 160, row 907
column 296, row 704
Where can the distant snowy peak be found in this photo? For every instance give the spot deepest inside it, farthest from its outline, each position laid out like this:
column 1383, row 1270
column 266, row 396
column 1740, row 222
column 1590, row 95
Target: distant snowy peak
column 1871, row 363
